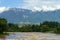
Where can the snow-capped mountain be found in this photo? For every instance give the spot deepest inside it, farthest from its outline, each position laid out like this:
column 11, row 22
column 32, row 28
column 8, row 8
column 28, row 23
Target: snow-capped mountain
column 17, row 15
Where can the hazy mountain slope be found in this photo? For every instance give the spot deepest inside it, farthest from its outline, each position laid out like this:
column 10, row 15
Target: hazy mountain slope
column 17, row 15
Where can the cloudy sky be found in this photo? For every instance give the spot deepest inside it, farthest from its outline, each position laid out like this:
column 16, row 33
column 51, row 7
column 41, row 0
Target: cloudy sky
column 30, row 4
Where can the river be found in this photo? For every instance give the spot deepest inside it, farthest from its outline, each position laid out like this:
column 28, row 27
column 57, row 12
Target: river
column 32, row 36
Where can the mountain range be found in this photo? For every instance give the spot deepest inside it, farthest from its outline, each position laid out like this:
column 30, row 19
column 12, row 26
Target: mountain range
column 19, row 15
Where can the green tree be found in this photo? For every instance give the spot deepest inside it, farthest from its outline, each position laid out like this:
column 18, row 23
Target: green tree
column 44, row 28
column 13, row 27
column 36, row 28
column 3, row 25
column 50, row 26
column 26, row 28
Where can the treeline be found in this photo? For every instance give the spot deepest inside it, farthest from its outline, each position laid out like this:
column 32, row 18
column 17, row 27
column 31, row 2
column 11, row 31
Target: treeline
column 47, row 26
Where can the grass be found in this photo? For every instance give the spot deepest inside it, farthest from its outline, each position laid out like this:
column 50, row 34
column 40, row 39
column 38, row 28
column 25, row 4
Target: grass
column 3, row 35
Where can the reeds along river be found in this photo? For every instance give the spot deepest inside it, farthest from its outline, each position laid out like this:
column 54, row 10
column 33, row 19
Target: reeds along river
column 31, row 36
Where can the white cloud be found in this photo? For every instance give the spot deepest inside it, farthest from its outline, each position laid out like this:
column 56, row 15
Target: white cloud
column 3, row 9
column 41, row 4
column 48, row 8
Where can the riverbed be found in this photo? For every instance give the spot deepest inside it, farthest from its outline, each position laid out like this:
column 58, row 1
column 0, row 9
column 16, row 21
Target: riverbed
column 32, row 36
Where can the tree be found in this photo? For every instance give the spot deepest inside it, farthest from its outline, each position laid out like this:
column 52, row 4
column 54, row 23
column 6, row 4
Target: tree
column 44, row 28
column 26, row 28
column 49, row 26
column 13, row 27
column 3, row 25
column 36, row 28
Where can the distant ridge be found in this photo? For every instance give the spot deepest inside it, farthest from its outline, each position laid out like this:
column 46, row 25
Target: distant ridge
column 17, row 15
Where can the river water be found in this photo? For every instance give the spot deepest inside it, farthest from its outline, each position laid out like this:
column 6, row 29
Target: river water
column 32, row 36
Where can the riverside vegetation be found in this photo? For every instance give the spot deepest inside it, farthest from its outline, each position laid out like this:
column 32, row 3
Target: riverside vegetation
column 46, row 26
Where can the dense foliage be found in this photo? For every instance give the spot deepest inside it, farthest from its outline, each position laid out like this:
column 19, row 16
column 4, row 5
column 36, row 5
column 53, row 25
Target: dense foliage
column 3, row 25
column 12, row 27
column 47, row 26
